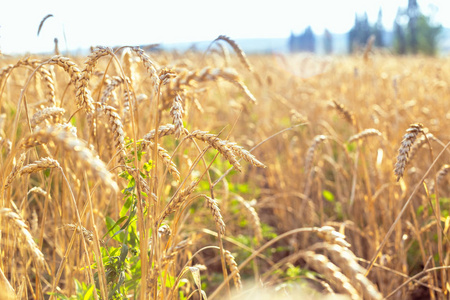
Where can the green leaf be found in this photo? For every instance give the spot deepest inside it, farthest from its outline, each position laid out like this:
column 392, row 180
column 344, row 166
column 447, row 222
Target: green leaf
column 328, row 195
column 89, row 293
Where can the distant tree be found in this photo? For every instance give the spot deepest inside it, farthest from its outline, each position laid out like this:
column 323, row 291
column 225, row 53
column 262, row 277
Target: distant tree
column 308, row 40
column 413, row 13
column 427, row 35
column 379, row 30
column 399, row 38
column 414, row 32
column 303, row 42
column 328, row 42
column 360, row 33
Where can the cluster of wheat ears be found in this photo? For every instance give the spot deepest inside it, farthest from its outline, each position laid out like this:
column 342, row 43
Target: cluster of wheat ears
column 325, row 170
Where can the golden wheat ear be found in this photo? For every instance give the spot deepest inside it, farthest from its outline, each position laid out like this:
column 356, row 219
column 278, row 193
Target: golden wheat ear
column 408, row 140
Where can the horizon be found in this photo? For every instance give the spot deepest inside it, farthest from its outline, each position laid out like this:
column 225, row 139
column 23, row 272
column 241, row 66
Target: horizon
column 172, row 22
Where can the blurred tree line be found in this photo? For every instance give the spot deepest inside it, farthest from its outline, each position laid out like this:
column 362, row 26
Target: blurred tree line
column 413, row 33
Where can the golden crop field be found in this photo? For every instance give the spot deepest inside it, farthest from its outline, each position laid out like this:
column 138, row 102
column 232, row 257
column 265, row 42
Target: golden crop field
column 132, row 174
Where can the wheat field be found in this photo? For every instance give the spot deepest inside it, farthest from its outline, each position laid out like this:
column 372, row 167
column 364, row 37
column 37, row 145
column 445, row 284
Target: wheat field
column 132, row 174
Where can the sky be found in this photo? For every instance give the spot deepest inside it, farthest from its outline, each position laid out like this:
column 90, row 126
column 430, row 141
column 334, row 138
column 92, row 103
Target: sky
column 81, row 24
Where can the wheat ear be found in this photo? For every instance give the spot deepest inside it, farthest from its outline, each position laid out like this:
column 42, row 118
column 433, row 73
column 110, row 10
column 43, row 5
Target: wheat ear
column 66, row 140
column 254, row 218
column 15, row 171
column 39, row 165
column 45, row 114
column 117, row 129
column 177, row 115
column 177, row 200
column 229, row 258
column 311, row 150
column 443, row 171
column 364, row 134
column 22, row 228
column 213, row 74
column 164, row 155
column 245, row 155
column 324, row 266
column 238, row 51
column 344, row 112
column 407, row 142
column 215, row 210
column 163, row 130
column 149, row 65
column 87, row 234
column 219, row 145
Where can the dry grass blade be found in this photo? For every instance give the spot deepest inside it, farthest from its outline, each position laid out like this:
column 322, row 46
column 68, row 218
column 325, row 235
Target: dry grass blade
column 20, row 225
column 407, row 142
column 66, row 140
